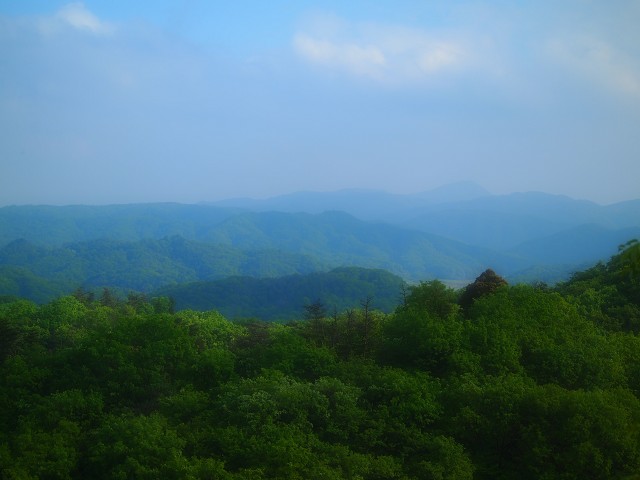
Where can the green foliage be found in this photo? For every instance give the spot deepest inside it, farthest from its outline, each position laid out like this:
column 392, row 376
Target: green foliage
column 609, row 294
column 139, row 446
column 425, row 332
column 628, row 260
column 433, row 298
column 531, row 383
column 421, row 340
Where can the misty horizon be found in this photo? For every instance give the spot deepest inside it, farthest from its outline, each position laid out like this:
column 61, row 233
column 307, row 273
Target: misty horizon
column 355, row 191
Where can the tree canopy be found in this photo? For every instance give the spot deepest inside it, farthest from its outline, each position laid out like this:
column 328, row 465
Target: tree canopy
column 526, row 382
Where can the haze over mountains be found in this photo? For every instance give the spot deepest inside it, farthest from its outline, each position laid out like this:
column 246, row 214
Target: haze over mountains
column 451, row 233
column 373, row 205
column 521, row 223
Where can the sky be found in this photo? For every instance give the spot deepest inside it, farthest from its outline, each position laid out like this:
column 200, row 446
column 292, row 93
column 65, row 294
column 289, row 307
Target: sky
column 112, row 101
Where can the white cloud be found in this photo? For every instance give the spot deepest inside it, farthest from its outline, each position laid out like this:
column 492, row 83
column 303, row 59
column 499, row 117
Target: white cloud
column 390, row 54
column 367, row 60
column 76, row 16
column 439, row 56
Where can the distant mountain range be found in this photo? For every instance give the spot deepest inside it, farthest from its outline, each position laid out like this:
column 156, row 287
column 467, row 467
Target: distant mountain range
column 452, row 233
column 369, row 205
column 462, row 211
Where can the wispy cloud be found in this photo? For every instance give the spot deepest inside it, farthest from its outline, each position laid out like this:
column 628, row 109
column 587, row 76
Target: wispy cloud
column 386, row 53
column 599, row 61
column 368, row 60
column 75, row 16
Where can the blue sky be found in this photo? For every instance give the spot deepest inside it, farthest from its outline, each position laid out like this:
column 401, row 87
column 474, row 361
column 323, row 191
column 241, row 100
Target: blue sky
column 187, row 101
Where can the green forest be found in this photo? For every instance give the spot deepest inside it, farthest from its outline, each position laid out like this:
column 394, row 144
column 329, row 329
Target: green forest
column 492, row 381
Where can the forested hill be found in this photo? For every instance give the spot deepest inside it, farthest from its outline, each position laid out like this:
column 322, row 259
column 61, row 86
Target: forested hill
column 285, row 298
column 56, row 226
column 40, row 272
column 495, row 382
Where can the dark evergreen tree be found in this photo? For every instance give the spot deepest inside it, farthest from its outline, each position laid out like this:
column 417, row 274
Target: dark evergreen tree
column 486, row 283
